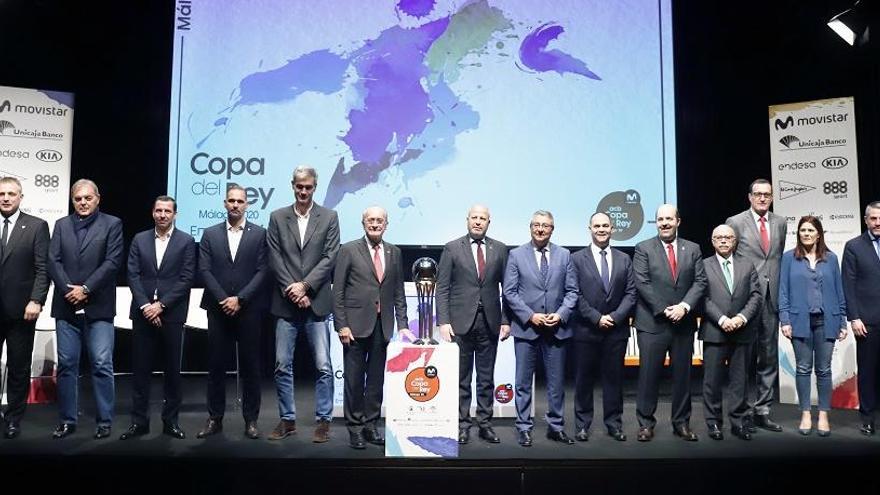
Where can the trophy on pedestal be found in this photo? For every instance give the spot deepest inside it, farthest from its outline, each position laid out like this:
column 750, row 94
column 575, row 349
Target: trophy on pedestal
column 425, row 278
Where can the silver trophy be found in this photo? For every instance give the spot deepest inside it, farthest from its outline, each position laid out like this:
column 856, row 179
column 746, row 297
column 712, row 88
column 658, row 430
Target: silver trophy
column 424, row 272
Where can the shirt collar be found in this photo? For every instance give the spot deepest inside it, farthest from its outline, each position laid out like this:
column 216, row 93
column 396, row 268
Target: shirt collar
column 371, row 246
column 757, row 218
column 308, row 212
column 230, row 228
column 722, row 259
column 597, row 250
column 166, row 237
column 12, row 218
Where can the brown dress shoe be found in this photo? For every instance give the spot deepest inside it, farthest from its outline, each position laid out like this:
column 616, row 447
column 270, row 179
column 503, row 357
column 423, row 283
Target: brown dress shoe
column 322, row 432
column 212, row 427
column 284, row 428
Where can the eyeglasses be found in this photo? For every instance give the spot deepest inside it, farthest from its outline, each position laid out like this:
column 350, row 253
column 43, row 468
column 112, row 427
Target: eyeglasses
column 762, row 195
column 723, row 237
column 542, row 225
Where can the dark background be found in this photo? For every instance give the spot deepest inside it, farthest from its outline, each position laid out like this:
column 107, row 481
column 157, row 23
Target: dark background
column 732, row 60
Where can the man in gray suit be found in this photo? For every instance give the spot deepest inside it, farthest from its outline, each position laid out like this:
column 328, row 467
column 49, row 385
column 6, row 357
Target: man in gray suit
column 303, row 242
column 733, row 298
column 670, row 281
column 469, row 312
column 761, row 240
column 368, row 297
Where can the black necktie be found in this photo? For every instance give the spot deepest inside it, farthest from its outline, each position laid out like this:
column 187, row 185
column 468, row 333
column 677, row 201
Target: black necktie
column 606, row 280
column 4, row 238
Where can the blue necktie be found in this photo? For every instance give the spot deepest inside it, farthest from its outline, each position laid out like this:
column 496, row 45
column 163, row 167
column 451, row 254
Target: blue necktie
column 606, row 280
column 545, row 268
column 877, row 246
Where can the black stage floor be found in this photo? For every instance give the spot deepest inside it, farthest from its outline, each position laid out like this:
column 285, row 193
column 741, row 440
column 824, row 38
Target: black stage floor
column 230, row 463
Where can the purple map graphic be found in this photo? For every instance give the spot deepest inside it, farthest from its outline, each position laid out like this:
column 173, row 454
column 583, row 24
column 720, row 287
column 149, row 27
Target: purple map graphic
column 405, row 113
column 446, row 447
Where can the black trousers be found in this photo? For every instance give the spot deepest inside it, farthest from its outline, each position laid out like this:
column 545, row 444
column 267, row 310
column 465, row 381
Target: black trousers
column 652, row 355
column 19, row 337
column 223, row 333
column 146, row 340
column 737, row 357
column 868, row 361
column 479, row 345
column 364, row 360
column 603, row 357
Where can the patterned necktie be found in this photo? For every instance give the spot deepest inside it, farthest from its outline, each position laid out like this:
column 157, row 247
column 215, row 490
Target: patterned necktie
column 481, row 261
column 606, row 279
column 765, row 236
column 673, row 266
column 545, row 267
column 377, row 263
column 728, row 277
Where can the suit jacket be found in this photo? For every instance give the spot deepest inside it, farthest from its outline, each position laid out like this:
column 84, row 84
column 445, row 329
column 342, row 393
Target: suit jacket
column 657, row 289
column 748, row 245
column 794, row 307
column 23, row 273
column 593, row 302
column 861, row 280
column 357, row 292
column 312, row 263
column 526, row 292
column 94, row 265
column 245, row 277
column 719, row 301
column 171, row 281
column 459, row 290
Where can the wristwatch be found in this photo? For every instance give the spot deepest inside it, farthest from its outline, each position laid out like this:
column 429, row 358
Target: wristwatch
column 85, row 289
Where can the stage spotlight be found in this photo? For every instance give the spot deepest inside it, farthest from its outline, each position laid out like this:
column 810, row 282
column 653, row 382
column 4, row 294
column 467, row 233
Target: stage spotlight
column 851, row 24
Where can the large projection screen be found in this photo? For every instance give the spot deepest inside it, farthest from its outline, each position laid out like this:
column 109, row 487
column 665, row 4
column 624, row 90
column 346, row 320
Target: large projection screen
column 426, row 107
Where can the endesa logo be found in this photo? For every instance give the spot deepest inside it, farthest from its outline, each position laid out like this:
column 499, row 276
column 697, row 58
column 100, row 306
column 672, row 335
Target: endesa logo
column 834, row 162
column 48, row 156
column 17, row 154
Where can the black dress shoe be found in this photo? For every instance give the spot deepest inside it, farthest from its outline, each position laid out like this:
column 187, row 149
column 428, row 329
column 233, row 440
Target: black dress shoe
column 740, row 433
column 63, row 430
column 715, row 432
column 524, row 437
column 250, row 430
column 764, row 421
column 356, row 440
column 12, row 430
column 135, row 430
column 464, row 436
column 102, row 432
column 488, row 434
column 212, row 427
column 685, row 433
column 646, row 433
column 559, row 436
column 867, row 429
column 617, row 435
column 373, row 436
column 582, row 435
column 749, row 425
column 173, row 430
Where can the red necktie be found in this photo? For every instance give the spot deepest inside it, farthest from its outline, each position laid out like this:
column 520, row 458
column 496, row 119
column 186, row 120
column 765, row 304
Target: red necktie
column 377, row 264
column 673, row 266
column 765, row 236
column 481, row 261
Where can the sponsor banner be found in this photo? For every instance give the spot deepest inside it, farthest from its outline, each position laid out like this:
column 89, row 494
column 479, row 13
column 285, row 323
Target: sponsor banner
column 36, row 132
column 421, row 400
column 814, row 163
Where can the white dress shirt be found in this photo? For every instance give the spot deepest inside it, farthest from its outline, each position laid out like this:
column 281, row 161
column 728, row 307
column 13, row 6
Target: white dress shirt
column 597, row 258
column 721, row 261
column 162, row 245
column 233, row 236
column 302, row 221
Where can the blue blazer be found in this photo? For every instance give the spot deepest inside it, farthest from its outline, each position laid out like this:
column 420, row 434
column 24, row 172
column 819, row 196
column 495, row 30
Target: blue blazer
column 171, row 281
column 245, row 277
column 526, row 292
column 794, row 308
column 861, row 280
column 94, row 265
column 593, row 302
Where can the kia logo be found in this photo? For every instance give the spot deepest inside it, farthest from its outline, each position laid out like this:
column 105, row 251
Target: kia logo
column 48, row 156
column 834, row 162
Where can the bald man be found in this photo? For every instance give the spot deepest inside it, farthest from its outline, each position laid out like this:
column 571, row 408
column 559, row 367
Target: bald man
column 367, row 299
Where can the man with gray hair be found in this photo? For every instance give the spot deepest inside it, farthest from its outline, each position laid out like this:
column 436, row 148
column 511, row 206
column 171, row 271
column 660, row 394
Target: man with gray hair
column 303, row 241
column 24, row 283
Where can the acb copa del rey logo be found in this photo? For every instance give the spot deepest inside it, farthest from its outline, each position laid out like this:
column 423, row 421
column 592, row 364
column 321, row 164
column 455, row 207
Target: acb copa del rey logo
column 422, row 384
column 212, row 170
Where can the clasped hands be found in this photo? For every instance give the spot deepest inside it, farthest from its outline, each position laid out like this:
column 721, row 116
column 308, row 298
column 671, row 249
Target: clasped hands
column 296, row 293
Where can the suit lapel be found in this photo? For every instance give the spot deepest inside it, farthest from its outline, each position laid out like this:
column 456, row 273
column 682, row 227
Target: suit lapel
column 470, row 263
column 15, row 234
column 533, row 262
column 718, row 273
column 151, row 249
column 292, row 222
column 366, row 253
column 389, row 259
column 314, row 218
column 225, row 239
column 91, row 233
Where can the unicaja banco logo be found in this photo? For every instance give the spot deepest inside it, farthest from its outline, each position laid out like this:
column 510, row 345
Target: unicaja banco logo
column 5, row 125
column 789, row 140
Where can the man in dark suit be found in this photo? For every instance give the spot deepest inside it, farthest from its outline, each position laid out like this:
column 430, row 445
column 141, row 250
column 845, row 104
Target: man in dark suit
column 84, row 255
column 670, row 281
column 303, row 242
column 733, row 298
column 861, row 285
column 368, row 298
column 601, row 327
column 540, row 293
column 24, row 283
column 161, row 269
column 760, row 237
column 233, row 266
column 469, row 312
